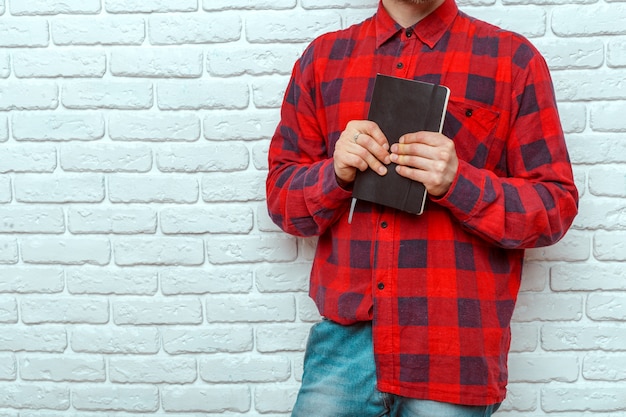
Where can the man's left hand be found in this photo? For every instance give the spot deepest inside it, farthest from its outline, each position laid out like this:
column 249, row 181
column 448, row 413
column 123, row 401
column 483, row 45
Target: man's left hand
column 427, row 157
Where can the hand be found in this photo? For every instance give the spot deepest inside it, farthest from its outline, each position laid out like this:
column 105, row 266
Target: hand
column 361, row 145
column 427, row 157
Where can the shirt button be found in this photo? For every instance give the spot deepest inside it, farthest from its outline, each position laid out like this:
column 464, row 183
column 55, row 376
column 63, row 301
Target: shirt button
column 381, row 286
column 383, row 225
column 400, row 65
column 409, row 33
column 468, row 112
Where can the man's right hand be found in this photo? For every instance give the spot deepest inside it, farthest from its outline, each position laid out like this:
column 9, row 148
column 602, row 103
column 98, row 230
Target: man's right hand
column 361, row 145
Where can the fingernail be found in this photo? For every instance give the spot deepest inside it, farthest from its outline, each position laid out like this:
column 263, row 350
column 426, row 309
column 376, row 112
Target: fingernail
column 382, row 170
column 393, row 157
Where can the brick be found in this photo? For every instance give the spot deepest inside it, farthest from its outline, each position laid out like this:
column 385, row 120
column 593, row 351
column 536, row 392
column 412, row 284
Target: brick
column 235, row 398
column 4, row 128
column 8, row 310
column 24, row 159
column 32, row 188
column 154, row 311
column 24, row 32
column 8, row 367
column 260, row 152
column 254, row 60
column 606, row 306
column 108, row 31
column 152, row 189
column 136, row 399
column 277, row 399
column 208, row 157
column 65, row 251
column 216, row 219
column 604, row 367
column 548, row 307
column 217, row 280
column 575, row 246
column 268, row 92
column 605, row 276
column 263, row 221
column 610, row 246
column 606, row 149
column 21, row 96
column 8, row 251
column 123, row 95
column 235, row 186
column 25, row 280
column 153, row 371
column 195, row 94
column 245, row 368
column 106, row 158
column 534, row 277
column 150, row 6
column 543, row 368
column 159, row 251
column 606, row 20
column 520, row 397
column 172, row 62
column 251, row 309
column 115, row 340
column 307, row 310
column 231, row 338
column 234, row 250
column 5, row 189
column 292, row 277
column 616, row 53
column 585, row 53
column 524, row 337
column 154, row 127
column 52, row 339
column 64, row 310
column 529, row 21
column 268, row 27
column 132, row 220
column 589, row 397
column 216, row 5
column 271, row 338
column 53, row 63
column 57, row 126
column 60, row 368
column 600, row 84
column 229, row 126
column 573, row 117
column 602, row 213
column 606, row 117
column 5, row 65
column 31, row 220
column 54, row 7
column 198, row 29
column 563, row 337
column 111, row 282
column 37, row 396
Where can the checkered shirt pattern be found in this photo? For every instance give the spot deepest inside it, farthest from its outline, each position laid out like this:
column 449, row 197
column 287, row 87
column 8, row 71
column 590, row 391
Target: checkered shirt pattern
column 439, row 288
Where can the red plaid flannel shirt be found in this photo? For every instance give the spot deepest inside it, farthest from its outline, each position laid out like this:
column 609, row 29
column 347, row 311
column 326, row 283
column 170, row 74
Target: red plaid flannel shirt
column 440, row 288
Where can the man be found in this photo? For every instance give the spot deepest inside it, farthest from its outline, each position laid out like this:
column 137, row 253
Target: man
column 417, row 308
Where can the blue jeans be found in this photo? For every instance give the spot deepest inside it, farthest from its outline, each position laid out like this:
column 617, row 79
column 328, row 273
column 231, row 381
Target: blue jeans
column 339, row 380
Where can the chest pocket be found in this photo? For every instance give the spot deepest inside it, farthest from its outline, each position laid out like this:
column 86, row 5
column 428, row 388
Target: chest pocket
column 473, row 130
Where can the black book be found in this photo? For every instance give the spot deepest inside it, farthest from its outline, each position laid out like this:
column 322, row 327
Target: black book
column 400, row 106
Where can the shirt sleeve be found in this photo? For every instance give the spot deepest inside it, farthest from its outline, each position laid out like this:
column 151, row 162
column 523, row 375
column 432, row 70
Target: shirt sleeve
column 535, row 204
column 303, row 195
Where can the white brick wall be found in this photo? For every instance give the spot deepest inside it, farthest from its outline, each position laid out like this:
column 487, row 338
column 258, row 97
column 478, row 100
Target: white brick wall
column 139, row 271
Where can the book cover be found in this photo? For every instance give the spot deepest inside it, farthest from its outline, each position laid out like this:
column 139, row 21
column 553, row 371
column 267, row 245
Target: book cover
column 400, row 106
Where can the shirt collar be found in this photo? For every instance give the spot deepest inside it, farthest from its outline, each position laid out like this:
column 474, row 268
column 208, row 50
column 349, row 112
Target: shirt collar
column 429, row 30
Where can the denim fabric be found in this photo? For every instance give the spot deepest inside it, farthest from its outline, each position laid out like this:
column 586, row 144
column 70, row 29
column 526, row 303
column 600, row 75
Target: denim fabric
column 339, row 380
